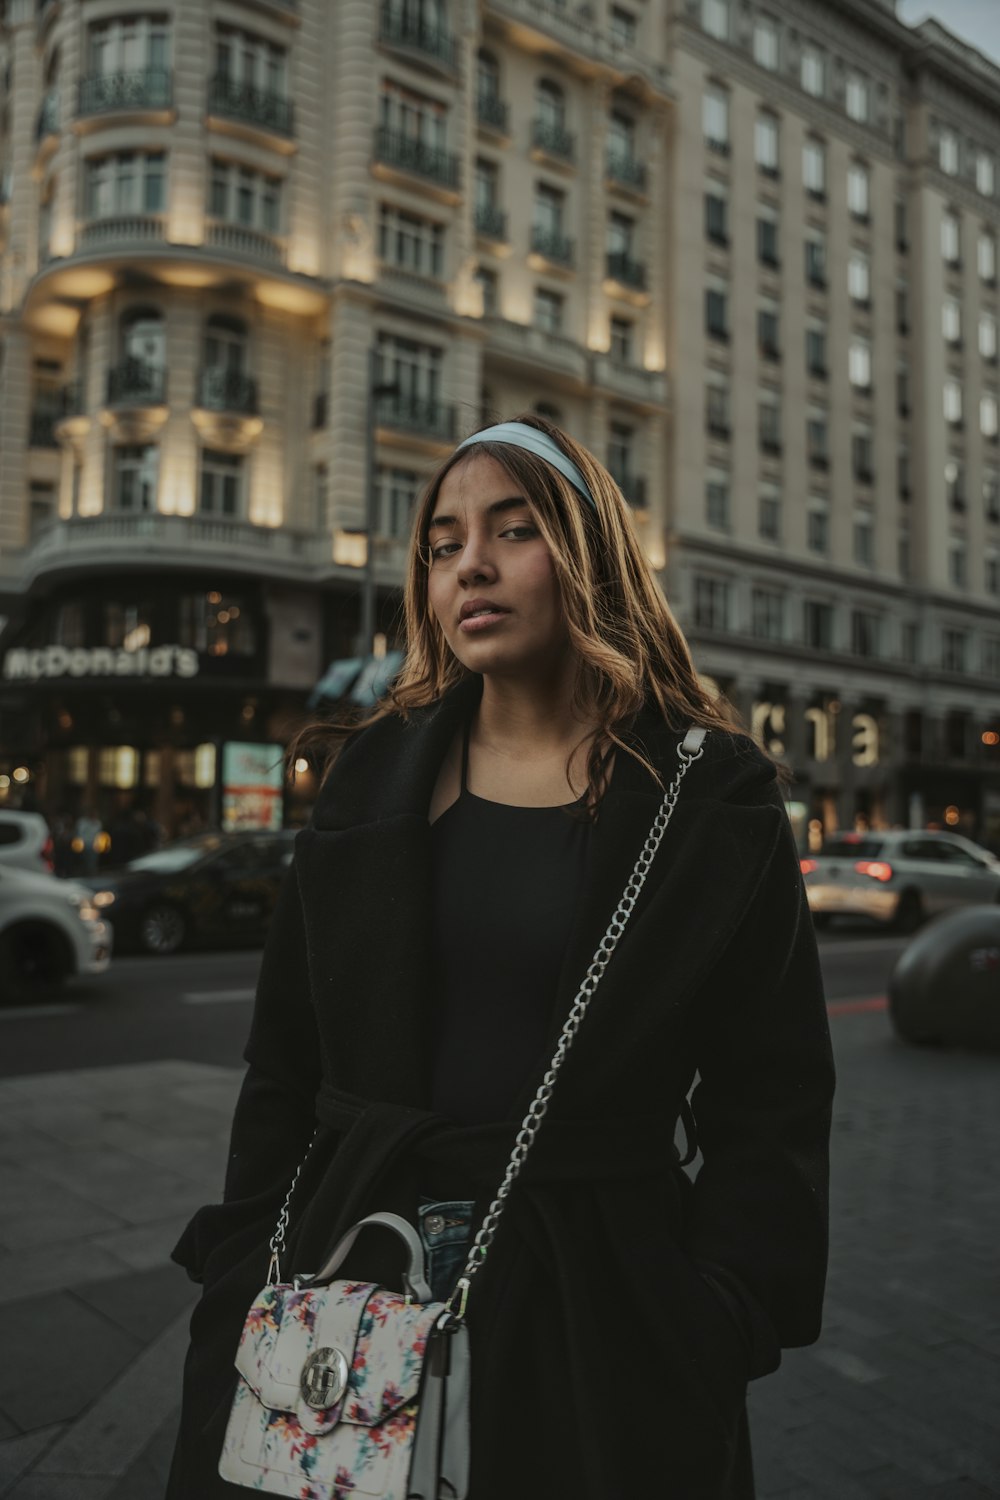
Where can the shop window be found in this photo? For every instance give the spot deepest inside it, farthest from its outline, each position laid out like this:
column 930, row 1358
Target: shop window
column 216, row 624
column 222, row 481
column 68, row 627
column 127, row 627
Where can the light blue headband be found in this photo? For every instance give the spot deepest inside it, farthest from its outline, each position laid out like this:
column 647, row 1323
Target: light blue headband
column 533, row 440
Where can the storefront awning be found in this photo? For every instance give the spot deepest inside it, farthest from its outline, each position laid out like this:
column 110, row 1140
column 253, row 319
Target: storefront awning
column 356, row 679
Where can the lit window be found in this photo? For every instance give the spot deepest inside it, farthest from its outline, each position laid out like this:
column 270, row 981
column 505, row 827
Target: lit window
column 812, row 71
column 948, row 151
column 953, row 402
column 856, row 97
column 859, row 190
column 859, row 363
column 859, row 276
column 951, row 320
column 765, row 43
column 951, row 238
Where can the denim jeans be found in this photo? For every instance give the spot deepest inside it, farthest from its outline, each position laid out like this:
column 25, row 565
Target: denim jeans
column 445, row 1230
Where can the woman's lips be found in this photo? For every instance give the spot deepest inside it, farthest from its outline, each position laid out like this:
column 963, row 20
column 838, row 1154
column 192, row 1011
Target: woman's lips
column 472, row 624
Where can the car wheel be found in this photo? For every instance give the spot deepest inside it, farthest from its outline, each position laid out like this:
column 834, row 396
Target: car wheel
column 909, row 912
column 162, row 929
column 35, row 959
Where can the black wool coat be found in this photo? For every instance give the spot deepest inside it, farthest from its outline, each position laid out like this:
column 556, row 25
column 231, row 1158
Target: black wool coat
column 622, row 1309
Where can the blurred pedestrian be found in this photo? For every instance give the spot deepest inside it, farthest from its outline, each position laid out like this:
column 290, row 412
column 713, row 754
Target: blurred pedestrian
column 468, row 848
column 88, row 828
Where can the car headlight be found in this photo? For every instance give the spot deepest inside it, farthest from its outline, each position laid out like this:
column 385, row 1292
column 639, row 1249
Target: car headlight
column 104, row 898
column 85, row 908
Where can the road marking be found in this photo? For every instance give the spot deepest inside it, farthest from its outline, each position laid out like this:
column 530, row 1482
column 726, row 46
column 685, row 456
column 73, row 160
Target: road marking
column 209, row 997
column 853, row 1007
column 35, row 1012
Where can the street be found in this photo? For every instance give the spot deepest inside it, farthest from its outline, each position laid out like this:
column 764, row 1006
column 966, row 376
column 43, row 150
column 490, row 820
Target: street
column 897, row 1401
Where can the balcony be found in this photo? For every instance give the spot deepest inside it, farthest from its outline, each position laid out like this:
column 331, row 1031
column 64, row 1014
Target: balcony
column 431, row 43
column 626, row 271
column 491, row 222
column 420, row 415
column 626, row 172
column 493, row 112
column 553, row 246
column 632, row 486
column 552, row 139
column 527, row 349
column 228, row 391
column 136, row 92
column 248, row 244
column 133, row 382
column 125, row 229
column 265, row 112
column 402, row 152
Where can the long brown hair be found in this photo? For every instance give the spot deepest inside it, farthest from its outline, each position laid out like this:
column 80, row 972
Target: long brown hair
column 629, row 648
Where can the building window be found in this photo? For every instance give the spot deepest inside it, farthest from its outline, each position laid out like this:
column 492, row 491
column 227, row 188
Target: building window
column 549, row 310
column 623, row 26
column 129, row 44
column 767, row 236
column 988, row 415
column 815, row 245
column 252, row 61
column 410, row 241
column 818, row 525
column 953, row 402
column 812, row 71
column 859, row 190
column 986, row 174
column 866, row 633
column 712, row 603
column 766, row 144
column 621, row 452
column 991, row 571
column 818, row 625
column 549, row 210
column 717, row 405
column 863, row 454
column 130, row 182
column 716, row 214
column 717, row 499
column 902, row 233
column 765, row 43
column 769, row 422
column 902, row 391
column 767, row 329
column 135, row 475
column 816, row 360
column 948, row 151
column 987, row 257
column 715, row 18
column 489, row 283
column 414, row 368
column 857, row 97
column 988, row 335
column 767, row 614
column 216, row 624
column 991, row 493
column 417, row 118
column 904, row 479
column 818, row 437
column 717, row 309
column 240, row 195
column 955, row 650
column 863, row 539
column 397, row 496
column 902, row 308
column 621, row 138
column 221, row 484
column 991, row 657
column 954, row 484
column 715, row 119
column 814, row 167
column 859, row 363
column 904, row 559
column 622, row 340
column 958, row 563
column 859, row 277
column 951, row 320
column 769, row 513
column 126, row 627
column 951, row 239
column 487, row 77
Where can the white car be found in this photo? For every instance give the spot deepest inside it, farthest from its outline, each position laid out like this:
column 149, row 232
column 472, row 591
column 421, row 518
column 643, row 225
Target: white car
column 25, row 841
column 899, row 877
column 50, row 930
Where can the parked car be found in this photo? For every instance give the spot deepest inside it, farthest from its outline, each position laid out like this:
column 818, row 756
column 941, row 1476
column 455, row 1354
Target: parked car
column 898, row 878
column 50, row 930
column 209, row 890
column 25, row 841
column 946, row 982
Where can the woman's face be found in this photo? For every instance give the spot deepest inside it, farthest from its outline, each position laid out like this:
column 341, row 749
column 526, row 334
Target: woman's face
column 492, row 585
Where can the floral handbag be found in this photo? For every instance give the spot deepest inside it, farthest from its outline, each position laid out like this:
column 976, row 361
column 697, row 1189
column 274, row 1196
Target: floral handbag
column 348, row 1390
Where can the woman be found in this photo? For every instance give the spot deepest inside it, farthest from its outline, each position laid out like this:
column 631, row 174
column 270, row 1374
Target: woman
column 465, row 855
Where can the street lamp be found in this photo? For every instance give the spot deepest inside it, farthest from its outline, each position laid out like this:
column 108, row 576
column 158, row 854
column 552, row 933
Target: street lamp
column 376, row 390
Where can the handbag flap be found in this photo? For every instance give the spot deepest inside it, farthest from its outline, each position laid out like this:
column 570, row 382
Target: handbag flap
column 382, row 1339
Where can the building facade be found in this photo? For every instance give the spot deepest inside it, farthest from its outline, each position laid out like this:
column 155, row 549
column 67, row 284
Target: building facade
column 263, row 262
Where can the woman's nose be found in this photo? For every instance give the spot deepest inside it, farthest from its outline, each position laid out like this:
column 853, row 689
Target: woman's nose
column 475, row 561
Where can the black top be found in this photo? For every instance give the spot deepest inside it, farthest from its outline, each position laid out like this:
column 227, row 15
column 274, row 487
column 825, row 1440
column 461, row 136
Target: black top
column 506, row 881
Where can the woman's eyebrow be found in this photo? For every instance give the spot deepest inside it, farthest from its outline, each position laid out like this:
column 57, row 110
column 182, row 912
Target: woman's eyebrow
column 498, row 507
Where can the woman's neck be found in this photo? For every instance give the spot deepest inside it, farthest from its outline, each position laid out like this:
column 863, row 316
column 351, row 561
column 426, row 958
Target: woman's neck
column 528, row 719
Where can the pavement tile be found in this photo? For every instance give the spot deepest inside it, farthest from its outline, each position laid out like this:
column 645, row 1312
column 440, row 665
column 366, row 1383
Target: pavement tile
column 142, row 1303
column 18, row 1454
column 58, row 1487
column 147, row 1245
column 57, row 1354
column 133, row 1190
column 50, row 1267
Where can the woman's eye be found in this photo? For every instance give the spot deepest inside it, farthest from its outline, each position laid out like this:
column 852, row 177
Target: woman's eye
column 521, row 531
column 445, row 549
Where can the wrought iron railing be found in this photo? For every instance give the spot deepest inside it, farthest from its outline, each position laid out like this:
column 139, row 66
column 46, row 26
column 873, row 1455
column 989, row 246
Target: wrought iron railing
column 491, row 221
column 493, row 111
column 626, row 170
column 628, row 272
column 133, row 382
column 121, row 228
column 239, row 240
column 403, row 28
column 228, row 390
column 241, row 101
column 399, row 150
column 142, row 88
column 554, row 245
column 419, row 414
column 552, row 138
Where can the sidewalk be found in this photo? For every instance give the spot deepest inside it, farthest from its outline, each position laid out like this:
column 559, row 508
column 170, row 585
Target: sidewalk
column 99, row 1172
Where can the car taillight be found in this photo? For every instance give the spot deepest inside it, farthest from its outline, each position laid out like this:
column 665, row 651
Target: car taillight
column 48, row 850
column 878, row 869
column 807, row 866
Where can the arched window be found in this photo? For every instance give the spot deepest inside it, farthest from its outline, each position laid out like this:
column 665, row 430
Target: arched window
column 225, row 344
column 550, row 103
column 143, row 337
column 487, row 76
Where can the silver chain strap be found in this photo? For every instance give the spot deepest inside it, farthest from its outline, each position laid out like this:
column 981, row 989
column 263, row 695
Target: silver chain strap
column 690, row 750
column 276, row 1244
